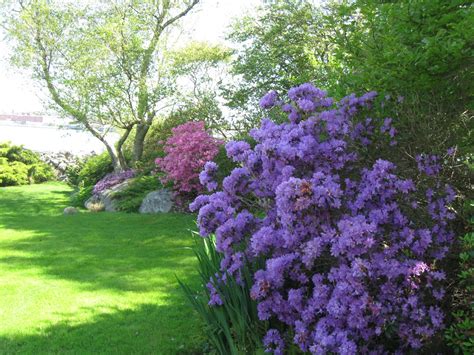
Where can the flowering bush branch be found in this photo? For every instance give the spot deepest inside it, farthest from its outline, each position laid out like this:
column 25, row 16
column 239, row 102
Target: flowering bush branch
column 112, row 179
column 187, row 150
column 351, row 251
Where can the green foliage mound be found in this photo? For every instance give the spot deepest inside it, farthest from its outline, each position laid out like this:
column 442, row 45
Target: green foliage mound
column 130, row 199
column 225, row 164
column 79, row 197
column 159, row 132
column 418, row 53
column 94, row 169
column 85, row 175
column 20, row 166
column 73, row 171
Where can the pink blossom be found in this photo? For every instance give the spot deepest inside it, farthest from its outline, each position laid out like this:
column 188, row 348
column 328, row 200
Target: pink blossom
column 187, row 151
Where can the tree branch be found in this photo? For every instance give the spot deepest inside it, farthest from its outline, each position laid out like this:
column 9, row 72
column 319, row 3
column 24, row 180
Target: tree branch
column 178, row 16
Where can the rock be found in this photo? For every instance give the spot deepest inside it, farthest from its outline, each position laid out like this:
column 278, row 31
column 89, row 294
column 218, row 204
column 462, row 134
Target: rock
column 107, row 196
column 105, row 200
column 96, row 207
column 70, row 210
column 159, row 201
column 92, row 202
column 60, row 162
column 62, row 166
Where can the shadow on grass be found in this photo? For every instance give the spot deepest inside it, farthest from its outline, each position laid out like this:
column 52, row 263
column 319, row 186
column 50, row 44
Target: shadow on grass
column 149, row 329
column 30, row 200
column 136, row 257
column 99, row 250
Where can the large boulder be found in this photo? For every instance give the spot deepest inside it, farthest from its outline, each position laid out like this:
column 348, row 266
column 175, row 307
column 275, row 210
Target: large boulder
column 91, row 202
column 160, row 201
column 94, row 204
column 106, row 198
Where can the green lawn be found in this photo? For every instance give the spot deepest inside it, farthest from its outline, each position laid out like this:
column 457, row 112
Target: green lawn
column 92, row 282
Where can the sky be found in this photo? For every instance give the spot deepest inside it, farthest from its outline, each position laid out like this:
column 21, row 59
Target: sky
column 20, row 94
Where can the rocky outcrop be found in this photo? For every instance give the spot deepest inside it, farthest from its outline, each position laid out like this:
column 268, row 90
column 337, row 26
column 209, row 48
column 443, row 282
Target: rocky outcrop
column 105, row 199
column 60, row 162
column 160, row 201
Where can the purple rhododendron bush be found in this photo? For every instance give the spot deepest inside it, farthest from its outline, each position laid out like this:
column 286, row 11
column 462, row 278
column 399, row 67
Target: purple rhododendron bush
column 345, row 249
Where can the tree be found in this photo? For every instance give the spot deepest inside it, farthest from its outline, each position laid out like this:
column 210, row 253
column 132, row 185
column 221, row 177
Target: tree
column 203, row 68
column 104, row 64
column 406, row 46
column 419, row 56
column 416, row 51
column 281, row 45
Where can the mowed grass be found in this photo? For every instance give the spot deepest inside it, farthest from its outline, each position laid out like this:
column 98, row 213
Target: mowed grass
column 93, row 282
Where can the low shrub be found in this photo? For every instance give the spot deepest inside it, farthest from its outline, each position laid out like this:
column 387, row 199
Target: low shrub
column 345, row 250
column 18, row 153
column 13, row 174
column 85, row 175
column 94, row 169
column 155, row 141
column 73, row 177
column 130, row 198
column 79, row 197
column 20, row 166
column 225, row 164
column 40, row 172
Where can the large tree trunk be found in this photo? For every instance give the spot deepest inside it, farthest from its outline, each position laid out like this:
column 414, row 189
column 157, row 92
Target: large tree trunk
column 113, row 156
column 121, row 157
column 139, row 141
column 72, row 111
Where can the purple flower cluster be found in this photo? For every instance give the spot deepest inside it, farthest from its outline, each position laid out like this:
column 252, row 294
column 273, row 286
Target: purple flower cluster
column 269, row 100
column 274, row 342
column 112, row 179
column 429, row 164
column 348, row 250
column 215, row 299
column 207, row 177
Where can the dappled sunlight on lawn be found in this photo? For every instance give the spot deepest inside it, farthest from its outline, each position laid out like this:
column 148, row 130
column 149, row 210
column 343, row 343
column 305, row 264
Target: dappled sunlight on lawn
column 64, row 277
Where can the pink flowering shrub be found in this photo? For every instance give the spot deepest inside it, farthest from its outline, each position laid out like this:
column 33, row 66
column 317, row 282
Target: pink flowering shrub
column 187, row 150
column 345, row 250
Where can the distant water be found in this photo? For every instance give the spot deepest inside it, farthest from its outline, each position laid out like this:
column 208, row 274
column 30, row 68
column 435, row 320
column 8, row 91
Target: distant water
column 44, row 138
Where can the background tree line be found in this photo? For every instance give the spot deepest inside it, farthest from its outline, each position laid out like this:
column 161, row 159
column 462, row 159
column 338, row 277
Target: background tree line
column 109, row 65
column 112, row 64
